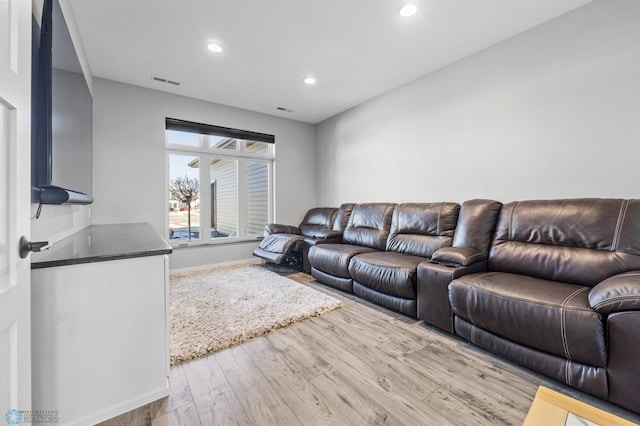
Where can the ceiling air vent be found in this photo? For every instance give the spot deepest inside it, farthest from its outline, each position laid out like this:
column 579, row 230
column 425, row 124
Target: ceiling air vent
column 164, row 80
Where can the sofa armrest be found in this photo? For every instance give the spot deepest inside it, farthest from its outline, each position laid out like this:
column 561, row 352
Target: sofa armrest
column 616, row 294
column 276, row 228
column 463, row 256
column 315, row 241
column 623, row 368
column 432, row 291
column 329, row 234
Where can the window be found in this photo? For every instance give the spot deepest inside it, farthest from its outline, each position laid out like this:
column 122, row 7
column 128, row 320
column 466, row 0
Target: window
column 219, row 185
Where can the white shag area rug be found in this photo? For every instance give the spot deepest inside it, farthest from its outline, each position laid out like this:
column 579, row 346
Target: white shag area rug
column 216, row 308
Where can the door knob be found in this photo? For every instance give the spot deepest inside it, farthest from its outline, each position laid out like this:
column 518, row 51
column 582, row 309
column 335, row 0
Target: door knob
column 27, row 246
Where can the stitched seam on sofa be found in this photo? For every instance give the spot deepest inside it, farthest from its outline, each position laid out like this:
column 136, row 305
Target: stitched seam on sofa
column 394, row 232
column 563, row 321
column 468, row 307
column 567, row 369
column 629, row 274
column 438, row 230
column 470, row 258
column 554, row 305
column 621, row 313
column 511, row 221
column 607, row 337
column 473, row 334
column 462, row 279
column 614, row 300
column 621, row 216
column 563, row 333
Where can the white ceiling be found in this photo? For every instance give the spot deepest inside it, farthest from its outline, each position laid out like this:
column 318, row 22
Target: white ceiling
column 356, row 49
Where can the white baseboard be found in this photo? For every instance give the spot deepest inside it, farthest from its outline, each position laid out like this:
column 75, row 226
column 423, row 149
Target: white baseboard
column 122, row 408
column 251, row 260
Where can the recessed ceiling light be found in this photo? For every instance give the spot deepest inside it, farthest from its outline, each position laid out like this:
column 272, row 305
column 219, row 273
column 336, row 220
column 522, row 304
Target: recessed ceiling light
column 214, row 47
column 310, row 81
column 408, row 10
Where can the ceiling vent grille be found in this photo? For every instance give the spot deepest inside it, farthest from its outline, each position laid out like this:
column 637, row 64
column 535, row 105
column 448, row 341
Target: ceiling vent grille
column 164, row 80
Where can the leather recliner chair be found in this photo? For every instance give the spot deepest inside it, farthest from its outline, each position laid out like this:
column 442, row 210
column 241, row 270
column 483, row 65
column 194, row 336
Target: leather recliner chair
column 366, row 232
column 285, row 244
column 388, row 278
column 561, row 294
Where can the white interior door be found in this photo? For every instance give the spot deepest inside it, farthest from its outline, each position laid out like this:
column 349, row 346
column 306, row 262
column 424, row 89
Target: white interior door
column 15, row 177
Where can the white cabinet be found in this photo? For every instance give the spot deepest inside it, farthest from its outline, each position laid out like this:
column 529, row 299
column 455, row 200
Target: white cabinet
column 100, row 337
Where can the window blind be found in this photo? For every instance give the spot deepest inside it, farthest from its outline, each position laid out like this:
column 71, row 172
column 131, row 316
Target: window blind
column 209, row 129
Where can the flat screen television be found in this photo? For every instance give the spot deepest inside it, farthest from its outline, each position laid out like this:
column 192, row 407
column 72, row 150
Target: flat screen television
column 62, row 115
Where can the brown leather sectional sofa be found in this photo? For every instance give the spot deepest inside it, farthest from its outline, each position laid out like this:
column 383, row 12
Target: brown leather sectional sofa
column 551, row 285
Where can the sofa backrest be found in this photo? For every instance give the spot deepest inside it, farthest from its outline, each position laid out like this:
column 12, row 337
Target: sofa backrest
column 422, row 228
column 342, row 218
column 317, row 221
column 369, row 225
column 476, row 223
column 579, row 241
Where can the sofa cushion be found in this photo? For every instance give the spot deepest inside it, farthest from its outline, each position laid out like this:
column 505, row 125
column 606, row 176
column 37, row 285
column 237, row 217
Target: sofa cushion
column 369, row 225
column 275, row 247
column 334, row 259
column 342, row 217
column 387, row 272
column 278, row 228
column 282, row 243
column 320, row 216
column 577, row 241
column 398, row 304
column 476, row 223
column 345, row 284
column 587, row 378
column 545, row 315
column 269, row 256
column 420, row 229
column 317, row 222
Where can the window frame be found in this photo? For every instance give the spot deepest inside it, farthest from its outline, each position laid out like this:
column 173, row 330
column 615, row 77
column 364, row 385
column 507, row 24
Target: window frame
column 206, row 154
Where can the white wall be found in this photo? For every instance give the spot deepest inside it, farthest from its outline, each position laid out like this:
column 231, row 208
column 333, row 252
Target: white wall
column 553, row 112
column 129, row 158
column 58, row 222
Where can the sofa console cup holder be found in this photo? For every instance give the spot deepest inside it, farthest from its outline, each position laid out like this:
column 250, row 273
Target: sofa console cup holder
column 446, row 265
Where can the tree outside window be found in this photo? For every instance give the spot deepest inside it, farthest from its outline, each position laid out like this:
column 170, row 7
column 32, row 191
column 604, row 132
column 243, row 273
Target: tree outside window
column 187, row 191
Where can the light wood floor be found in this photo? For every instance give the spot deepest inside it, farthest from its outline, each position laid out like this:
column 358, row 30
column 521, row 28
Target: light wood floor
column 358, row 365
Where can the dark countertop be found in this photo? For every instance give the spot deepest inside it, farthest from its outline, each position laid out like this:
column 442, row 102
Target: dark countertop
column 99, row 243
